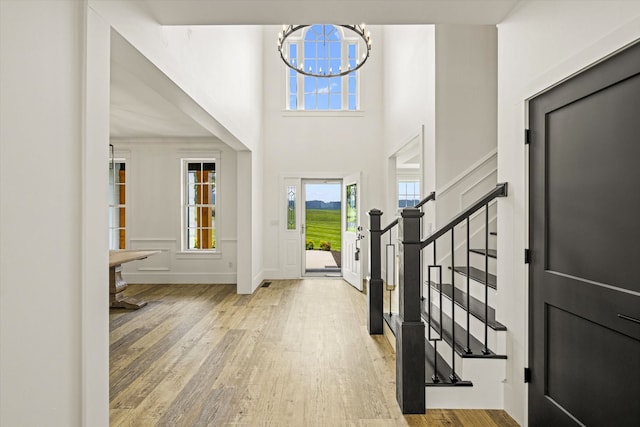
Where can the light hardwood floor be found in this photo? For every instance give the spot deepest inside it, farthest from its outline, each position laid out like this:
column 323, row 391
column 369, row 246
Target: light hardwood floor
column 296, row 353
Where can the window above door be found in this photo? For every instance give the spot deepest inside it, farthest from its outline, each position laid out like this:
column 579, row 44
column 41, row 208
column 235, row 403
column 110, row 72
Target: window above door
column 322, row 47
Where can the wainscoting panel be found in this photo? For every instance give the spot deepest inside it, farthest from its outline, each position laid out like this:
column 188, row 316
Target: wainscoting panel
column 157, row 262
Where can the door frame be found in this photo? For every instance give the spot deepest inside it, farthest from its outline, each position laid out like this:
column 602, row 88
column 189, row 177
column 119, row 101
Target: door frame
column 286, row 254
column 303, row 226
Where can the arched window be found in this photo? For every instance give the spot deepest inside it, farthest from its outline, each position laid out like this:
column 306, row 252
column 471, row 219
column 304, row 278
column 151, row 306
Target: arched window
column 322, row 48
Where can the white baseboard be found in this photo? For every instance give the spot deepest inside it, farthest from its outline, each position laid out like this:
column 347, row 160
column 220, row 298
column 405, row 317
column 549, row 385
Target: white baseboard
column 180, row 278
column 272, row 274
column 257, row 281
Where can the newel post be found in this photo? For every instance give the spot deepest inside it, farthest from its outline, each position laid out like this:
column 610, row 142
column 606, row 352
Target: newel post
column 410, row 338
column 375, row 288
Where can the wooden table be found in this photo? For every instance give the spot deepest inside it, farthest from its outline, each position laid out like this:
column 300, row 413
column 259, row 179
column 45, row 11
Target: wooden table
column 117, row 285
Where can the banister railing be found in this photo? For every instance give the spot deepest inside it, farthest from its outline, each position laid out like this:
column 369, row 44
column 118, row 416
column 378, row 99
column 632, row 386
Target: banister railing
column 409, row 329
column 431, row 196
column 375, row 291
column 433, row 310
column 390, row 226
column 499, row 191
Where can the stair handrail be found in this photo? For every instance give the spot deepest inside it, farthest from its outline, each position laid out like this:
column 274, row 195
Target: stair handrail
column 431, row 196
column 409, row 325
column 375, row 291
column 499, row 191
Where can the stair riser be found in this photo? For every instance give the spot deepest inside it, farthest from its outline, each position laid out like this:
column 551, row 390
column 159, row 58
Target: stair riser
column 466, row 366
column 487, row 391
column 476, row 289
column 477, row 261
column 445, row 351
column 496, row 339
column 460, row 362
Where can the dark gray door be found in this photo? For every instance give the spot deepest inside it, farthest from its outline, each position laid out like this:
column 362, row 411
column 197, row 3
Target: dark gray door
column 585, row 242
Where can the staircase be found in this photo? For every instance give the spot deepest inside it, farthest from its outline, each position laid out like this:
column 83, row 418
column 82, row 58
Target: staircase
column 464, row 345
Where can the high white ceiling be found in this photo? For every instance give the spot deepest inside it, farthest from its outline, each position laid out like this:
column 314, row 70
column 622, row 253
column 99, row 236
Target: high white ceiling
column 145, row 103
column 138, row 110
column 201, row 12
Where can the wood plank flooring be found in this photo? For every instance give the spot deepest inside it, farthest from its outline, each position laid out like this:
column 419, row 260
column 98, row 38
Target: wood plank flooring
column 296, row 353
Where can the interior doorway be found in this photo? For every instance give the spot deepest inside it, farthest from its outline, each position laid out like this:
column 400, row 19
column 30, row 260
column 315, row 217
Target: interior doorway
column 584, row 296
column 321, row 219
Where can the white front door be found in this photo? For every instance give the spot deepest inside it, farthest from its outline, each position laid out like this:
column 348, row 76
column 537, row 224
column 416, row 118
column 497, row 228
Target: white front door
column 351, row 231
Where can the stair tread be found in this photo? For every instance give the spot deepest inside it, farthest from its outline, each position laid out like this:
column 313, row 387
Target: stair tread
column 477, row 275
column 443, row 371
column 477, row 306
column 459, row 345
column 392, row 320
column 492, row 253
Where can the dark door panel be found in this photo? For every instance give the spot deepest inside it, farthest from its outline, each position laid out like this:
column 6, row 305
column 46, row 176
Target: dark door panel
column 587, row 167
column 585, row 239
column 583, row 379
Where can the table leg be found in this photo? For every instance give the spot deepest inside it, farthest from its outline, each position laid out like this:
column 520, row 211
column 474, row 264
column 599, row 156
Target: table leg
column 117, row 285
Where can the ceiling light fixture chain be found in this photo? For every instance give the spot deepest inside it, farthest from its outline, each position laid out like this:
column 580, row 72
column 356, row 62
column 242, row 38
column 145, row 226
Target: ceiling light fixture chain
column 359, row 30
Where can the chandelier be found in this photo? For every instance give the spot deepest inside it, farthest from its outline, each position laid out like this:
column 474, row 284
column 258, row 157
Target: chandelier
column 364, row 41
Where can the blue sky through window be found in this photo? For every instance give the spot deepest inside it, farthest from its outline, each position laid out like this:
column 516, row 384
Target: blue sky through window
column 322, row 54
column 408, row 193
column 325, row 192
column 321, row 51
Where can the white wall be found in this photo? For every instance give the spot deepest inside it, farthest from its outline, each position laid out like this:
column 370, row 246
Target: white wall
column 220, row 69
column 466, row 118
column 257, row 213
column 409, row 115
column 95, row 320
column 218, row 66
column 442, row 79
column 409, row 97
column 245, row 223
column 250, row 217
column 445, row 78
column 327, row 145
column 466, row 97
column 540, row 43
column 153, row 190
column 53, row 349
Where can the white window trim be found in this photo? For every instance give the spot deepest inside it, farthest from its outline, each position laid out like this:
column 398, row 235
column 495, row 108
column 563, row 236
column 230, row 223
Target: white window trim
column 184, row 253
column 405, row 178
column 345, row 41
column 324, row 113
column 123, row 157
